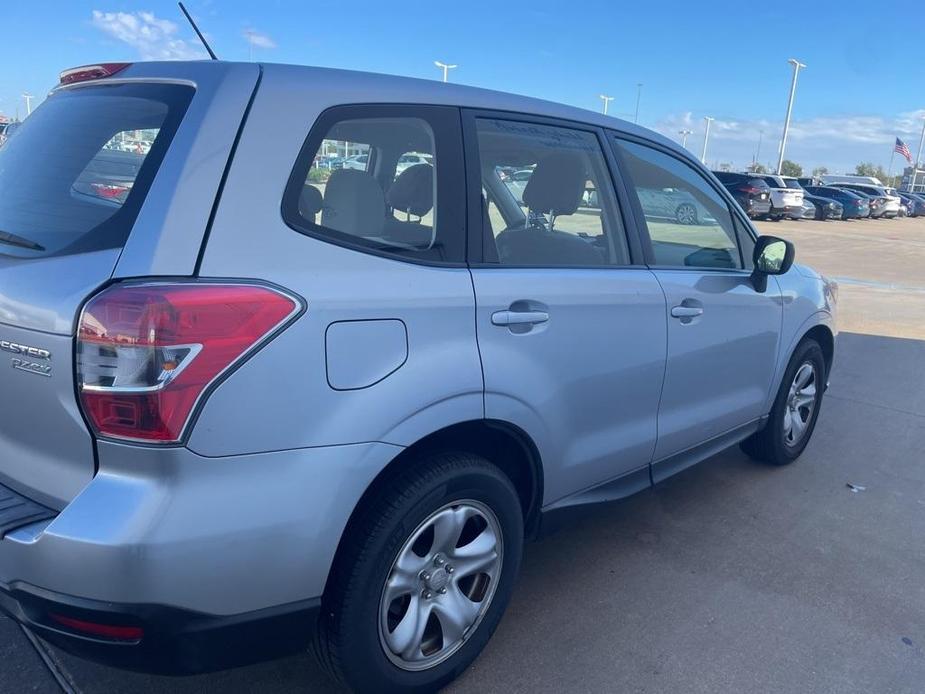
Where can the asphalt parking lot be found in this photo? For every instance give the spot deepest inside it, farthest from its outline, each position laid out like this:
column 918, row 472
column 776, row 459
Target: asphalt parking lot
column 730, row 577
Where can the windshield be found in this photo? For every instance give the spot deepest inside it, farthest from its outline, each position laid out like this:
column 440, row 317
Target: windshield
column 75, row 175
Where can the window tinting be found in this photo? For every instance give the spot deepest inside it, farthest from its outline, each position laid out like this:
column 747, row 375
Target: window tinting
column 74, row 176
column 548, row 198
column 373, row 182
column 689, row 223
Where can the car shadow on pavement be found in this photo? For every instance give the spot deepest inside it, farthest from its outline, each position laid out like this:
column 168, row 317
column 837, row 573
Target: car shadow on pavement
column 732, row 576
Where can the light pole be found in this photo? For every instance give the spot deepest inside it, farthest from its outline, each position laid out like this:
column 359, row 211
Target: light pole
column 706, row 139
column 758, row 151
column 28, row 97
column 793, row 89
column 606, row 100
column 684, row 134
column 918, row 157
column 638, row 97
column 446, row 68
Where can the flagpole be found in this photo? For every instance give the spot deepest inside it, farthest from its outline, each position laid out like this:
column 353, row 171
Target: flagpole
column 889, row 174
column 918, row 158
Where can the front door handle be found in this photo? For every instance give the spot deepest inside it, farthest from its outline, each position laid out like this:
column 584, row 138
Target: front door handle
column 686, row 311
column 519, row 317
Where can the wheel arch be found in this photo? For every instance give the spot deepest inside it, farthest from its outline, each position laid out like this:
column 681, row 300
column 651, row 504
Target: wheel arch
column 503, row 443
column 819, row 326
column 823, row 335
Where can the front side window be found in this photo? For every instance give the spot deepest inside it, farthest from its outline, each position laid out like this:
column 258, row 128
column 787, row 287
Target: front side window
column 689, row 223
column 547, row 197
column 373, row 182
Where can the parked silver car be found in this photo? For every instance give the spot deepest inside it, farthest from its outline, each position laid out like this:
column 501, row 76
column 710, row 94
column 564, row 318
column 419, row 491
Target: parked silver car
column 245, row 407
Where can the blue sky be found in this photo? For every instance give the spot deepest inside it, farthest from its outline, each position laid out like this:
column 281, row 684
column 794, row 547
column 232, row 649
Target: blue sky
column 864, row 84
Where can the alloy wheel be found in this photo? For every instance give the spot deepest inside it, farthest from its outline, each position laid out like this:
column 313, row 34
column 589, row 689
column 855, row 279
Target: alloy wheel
column 440, row 585
column 801, row 402
column 686, row 214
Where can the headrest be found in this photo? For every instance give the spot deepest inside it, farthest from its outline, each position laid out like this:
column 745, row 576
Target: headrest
column 413, row 190
column 557, row 184
column 310, row 201
column 353, row 203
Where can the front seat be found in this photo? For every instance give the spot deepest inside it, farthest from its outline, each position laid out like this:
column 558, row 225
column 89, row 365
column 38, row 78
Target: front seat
column 353, row 204
column 555, row 189
column 412, row 193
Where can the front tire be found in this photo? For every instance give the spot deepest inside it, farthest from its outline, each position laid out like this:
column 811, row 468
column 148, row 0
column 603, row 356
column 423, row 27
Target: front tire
column 796, row 409
column 424, row 578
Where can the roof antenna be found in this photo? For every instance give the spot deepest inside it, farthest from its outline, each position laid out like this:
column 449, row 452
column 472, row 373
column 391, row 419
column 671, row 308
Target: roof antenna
column 198, row 33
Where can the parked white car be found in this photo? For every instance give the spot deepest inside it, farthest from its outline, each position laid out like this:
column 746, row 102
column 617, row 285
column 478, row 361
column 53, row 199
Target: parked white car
column 785, row 201
column 357, row 161
column 406, row 161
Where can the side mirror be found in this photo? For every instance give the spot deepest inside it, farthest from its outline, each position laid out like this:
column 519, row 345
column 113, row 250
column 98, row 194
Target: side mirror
column 773, row 256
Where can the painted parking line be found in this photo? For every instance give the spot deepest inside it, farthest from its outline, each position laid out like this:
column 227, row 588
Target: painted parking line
column 879, row 285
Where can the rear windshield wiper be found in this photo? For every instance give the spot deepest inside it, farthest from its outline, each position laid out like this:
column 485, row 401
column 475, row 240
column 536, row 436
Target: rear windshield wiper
column 14, row 240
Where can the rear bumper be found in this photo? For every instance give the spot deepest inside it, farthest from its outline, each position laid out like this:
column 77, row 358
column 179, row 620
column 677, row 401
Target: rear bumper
column 792, row 211
column 756, row 208
column 174, row 641
column 220, row 561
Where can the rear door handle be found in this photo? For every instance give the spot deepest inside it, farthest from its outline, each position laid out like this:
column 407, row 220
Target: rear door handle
column 519, row 317
column 686, row 311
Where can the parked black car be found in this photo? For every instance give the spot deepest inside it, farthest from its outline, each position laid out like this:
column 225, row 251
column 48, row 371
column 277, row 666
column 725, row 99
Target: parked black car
column 854, row 205
column 749, row 190
column 826, row 208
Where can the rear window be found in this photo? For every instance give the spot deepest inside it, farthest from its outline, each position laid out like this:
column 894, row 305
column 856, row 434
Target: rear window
column 77, row 172
column 792, row 183
column 726, row 177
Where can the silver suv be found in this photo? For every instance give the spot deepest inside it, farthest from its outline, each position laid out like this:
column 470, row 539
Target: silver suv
column 250, row 403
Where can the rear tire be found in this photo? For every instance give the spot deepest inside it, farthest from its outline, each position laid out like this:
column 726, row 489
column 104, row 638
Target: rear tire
column 796, row 408
column 686, row 213
column 374, row 600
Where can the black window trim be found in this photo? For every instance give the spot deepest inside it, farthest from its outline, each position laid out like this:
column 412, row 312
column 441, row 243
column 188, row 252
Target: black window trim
column 445, row 124
column 739, row 219
column 478, row 232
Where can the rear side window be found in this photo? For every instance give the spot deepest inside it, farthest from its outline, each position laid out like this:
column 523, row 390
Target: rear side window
column 75, row 175
column 399, row 192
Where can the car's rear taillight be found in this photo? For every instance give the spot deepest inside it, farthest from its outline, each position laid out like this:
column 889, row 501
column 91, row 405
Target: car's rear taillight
column 146, row 353
column 751, row 190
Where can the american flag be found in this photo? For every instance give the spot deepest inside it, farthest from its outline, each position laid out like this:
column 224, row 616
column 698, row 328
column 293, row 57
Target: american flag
column 902, row 148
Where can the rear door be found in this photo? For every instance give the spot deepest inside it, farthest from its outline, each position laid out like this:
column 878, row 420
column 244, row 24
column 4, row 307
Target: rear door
column 73, row 184
column 571, row 333
column 722, row 334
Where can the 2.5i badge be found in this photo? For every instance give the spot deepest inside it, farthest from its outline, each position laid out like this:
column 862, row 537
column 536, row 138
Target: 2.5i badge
column 32, row 360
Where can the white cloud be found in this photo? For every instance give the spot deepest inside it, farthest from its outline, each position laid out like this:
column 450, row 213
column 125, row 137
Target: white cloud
column 258, row 39
column 153, row 38
column 838, row 142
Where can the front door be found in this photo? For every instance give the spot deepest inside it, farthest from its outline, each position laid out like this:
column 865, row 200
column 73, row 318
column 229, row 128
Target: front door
column 722, row 334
